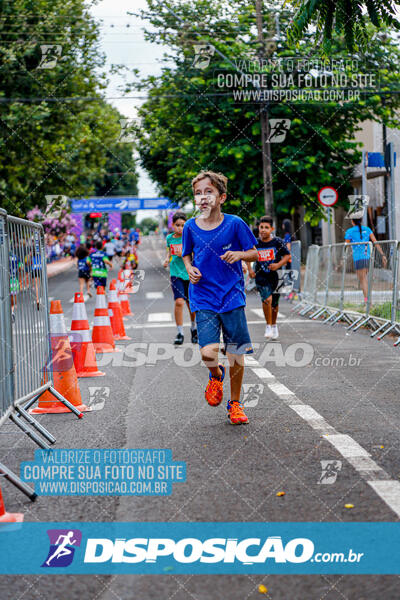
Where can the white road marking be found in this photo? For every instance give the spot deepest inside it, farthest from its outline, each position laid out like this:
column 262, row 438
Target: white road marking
column 344, row 444
column 279, row 389
column 386, row 488
column 263, row 373
column 154, row 295
column 260, row 313
column 159, row 317
column 389, row 491
column 250, row 361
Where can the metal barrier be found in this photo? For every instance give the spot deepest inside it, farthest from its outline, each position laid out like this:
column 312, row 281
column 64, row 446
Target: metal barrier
column 295, row 251
column 25, row 361
column 322, row 281
column 356, row 283
column 307, row 301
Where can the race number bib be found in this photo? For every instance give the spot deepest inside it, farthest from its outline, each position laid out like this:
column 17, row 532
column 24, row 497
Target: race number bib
column 266, row 254
column 176, row 249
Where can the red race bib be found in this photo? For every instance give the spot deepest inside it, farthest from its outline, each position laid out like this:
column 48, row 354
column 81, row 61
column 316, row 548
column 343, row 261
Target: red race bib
column 266, row 254
column 176, row 249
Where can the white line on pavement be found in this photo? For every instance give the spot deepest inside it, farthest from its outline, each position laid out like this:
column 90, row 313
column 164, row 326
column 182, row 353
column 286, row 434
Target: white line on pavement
column 149, row 325
column 260, row 313
column 154, row 295
column 159, row 317
column 386, row 488
column 263, row 373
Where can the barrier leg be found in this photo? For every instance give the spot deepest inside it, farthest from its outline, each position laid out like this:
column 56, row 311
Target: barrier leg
column 29, row 432
column 331, row 316
column 381, row 328
column 12, row 478
column 360, row 318
column 46, row 434
column 392, row 326
column 66, row 403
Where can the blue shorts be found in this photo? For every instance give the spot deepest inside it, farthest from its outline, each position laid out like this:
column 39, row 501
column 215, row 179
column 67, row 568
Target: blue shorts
column 180, row 287
column 266, row 291
column 363, row 263
column 234, row 330
column 97, row 281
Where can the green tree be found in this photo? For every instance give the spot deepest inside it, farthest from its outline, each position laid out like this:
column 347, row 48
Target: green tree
column 148, row 224
column 120, row 177
column 190, row 123
column 348, row 16
column 58, row 134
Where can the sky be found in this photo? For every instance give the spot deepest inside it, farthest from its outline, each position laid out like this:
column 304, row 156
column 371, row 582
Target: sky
column 122, row 40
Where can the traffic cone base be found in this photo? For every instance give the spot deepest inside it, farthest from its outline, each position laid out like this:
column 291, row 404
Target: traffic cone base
column 62, row 370
column 6, row 517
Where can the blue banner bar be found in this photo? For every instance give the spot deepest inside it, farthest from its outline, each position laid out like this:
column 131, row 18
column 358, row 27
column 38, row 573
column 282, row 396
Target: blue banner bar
column 119, row 204
column 200, row 548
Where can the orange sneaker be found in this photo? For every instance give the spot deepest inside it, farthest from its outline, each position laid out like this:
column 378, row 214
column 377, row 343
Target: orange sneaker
column 215, row 388
column 236, row 413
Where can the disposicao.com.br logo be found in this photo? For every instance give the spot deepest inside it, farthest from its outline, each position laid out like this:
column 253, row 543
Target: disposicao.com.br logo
column 247, row 551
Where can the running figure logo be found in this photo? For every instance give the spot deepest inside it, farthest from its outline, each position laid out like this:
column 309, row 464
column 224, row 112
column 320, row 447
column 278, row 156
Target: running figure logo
column 251, row 394
column 330, row 470
column 278, row 130
column 62, row 547
column 203, row 54
column 50, row 55
column 358, row 204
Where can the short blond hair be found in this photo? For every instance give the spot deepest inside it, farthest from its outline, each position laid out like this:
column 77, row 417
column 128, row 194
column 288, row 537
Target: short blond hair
column 217, row 179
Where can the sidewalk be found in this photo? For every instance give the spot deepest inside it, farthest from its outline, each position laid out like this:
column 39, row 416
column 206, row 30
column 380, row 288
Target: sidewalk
column 59, row 266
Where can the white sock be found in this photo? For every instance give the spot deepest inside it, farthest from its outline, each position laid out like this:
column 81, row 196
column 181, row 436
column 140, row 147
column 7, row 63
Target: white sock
column 180, row 329
column 193, row 325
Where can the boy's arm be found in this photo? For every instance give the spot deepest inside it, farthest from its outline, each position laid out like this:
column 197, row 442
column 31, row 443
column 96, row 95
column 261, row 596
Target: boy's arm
column 275, row 266
column 232, row 256
column 193, row 272
column 167, row 258
column 108, row 262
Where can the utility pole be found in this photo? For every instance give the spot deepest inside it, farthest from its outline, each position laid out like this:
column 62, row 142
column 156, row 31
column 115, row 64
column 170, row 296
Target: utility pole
column 264, row 121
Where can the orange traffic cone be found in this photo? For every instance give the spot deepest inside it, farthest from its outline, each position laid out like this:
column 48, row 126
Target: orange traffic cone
column 6, row 517
column 123, row 299
column 65, row 380
column 81, row 345
column 114, row 309
column 102, row 335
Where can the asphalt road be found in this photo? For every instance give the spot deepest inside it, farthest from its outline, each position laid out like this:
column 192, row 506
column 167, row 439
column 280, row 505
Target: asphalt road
column 316, row 394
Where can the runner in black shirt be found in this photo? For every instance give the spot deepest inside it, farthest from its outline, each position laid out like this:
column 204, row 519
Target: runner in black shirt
column 272, row 256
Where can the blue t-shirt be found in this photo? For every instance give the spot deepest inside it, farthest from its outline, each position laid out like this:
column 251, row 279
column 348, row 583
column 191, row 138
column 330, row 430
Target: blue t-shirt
column 221, row 287
column 361, row 251
column 83, row 265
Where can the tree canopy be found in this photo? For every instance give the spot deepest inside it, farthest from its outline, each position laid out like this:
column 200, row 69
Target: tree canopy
column 350, row 17
column 191, row 122
column 59, row 135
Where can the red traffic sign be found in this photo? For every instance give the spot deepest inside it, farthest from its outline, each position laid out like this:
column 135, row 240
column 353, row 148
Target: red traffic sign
column 327, row 196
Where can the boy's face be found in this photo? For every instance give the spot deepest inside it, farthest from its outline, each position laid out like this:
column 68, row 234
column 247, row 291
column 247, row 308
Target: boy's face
column 207, row 197
column 265, row 230
column 178, row 226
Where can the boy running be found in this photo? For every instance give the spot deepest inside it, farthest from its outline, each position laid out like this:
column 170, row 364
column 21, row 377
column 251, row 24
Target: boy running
column 179, row 277
column 218, row 243
column 82, row 255
column 99, row 262
column 272, row 255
